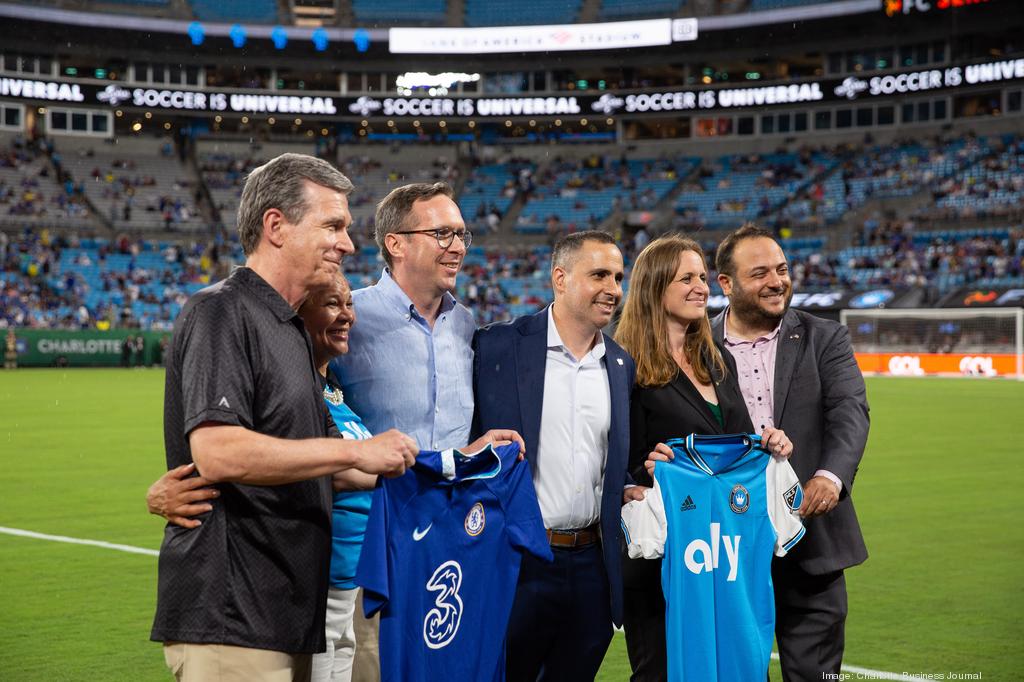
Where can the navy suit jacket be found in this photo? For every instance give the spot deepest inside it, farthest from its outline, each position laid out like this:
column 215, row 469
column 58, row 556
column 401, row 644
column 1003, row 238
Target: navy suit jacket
column 508, row 383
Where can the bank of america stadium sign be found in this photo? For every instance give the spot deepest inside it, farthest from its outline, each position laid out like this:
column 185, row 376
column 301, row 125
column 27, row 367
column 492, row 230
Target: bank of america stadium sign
column 670, row 101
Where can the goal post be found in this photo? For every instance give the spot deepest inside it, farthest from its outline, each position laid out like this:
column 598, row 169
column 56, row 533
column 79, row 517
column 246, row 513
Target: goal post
column 939, row 341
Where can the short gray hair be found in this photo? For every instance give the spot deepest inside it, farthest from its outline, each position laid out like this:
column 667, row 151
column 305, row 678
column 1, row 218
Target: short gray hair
column 393, row 210
column 564, row 253
column 280, row 184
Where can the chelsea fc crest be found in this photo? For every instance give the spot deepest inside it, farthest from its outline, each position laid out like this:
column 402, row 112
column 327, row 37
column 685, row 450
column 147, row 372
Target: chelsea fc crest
column 475, row 520
column 739, row 499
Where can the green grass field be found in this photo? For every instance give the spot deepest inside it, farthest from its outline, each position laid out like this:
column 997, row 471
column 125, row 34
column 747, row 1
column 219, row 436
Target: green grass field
column 939, row 496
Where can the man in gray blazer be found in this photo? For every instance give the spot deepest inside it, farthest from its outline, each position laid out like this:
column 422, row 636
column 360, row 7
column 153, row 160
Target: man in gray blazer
column 797, row 373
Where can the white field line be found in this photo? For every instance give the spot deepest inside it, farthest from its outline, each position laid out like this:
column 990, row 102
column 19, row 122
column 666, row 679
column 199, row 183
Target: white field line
column 78, row 541
column 868, row 673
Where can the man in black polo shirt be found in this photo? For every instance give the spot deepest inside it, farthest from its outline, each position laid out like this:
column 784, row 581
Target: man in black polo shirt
column 242, row 596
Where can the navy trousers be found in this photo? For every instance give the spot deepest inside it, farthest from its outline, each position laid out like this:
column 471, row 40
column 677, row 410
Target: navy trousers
column 561, row 622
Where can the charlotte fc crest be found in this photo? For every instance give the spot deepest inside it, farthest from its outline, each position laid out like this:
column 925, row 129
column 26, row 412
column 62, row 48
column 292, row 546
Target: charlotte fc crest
column 475, row 520
column 739, row 499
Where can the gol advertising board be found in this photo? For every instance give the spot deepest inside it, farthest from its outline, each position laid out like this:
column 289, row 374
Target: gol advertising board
column 946, row 364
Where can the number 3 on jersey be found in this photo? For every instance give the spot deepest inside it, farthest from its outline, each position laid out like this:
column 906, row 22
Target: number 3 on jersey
column 442, row 622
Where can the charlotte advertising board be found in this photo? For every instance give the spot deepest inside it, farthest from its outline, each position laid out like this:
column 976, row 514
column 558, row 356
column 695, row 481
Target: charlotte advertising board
column 92, row 348
column 327, row 106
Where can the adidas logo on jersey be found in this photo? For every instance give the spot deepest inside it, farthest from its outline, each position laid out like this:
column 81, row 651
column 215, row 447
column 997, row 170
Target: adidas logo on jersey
column 687, row 504
column 709, row 553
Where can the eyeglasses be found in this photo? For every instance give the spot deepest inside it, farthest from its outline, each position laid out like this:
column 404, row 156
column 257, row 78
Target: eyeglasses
column 445, row 236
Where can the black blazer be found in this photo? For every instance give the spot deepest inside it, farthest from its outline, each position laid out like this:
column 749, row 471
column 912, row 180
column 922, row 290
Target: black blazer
column 676, row 410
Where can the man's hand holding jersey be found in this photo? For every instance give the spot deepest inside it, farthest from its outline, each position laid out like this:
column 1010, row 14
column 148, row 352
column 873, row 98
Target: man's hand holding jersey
column 387, row 454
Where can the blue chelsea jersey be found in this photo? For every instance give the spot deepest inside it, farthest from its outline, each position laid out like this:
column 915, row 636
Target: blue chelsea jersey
column 717, row 513
column 441, row 560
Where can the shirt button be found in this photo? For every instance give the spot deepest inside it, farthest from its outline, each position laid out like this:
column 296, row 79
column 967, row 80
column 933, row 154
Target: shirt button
column 437, row 410
column 435, row 444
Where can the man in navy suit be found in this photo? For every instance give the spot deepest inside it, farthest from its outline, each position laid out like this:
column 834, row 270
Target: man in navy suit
column 560, row 382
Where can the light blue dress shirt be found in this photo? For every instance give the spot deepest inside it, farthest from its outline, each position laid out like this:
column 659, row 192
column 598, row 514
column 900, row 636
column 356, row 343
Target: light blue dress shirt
column 399, row 373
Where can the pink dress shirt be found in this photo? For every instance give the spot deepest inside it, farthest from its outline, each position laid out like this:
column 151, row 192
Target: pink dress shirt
column 755, row 365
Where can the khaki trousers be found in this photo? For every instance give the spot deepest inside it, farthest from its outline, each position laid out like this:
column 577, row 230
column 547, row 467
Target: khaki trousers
column 226, row 663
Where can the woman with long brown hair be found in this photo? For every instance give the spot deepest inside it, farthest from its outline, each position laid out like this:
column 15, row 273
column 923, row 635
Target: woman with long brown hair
column 685, row 384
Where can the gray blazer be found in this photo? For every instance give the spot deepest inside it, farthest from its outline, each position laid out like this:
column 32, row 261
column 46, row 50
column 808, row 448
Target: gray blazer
column 821, row 404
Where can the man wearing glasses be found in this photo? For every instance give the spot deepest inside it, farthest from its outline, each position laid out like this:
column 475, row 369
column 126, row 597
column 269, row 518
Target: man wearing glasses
column 411, row 362
column 410, row 358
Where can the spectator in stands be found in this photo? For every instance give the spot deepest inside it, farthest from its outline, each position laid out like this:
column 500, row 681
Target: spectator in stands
column 10, row 350
column 140, row 350
column 273, row 474
column 127, row 348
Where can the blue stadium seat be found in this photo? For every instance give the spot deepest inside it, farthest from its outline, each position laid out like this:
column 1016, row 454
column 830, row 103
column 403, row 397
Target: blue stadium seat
column 491, row 13
column 400, row 11
column 251, row 11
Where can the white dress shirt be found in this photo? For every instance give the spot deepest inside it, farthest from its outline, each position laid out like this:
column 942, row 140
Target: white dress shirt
column 575, row 418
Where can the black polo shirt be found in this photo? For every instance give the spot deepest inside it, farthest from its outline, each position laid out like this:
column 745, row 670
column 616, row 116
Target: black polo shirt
column 255, row 573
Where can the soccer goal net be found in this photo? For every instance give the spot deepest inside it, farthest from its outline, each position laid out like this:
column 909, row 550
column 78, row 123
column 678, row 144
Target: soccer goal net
column 963, row 342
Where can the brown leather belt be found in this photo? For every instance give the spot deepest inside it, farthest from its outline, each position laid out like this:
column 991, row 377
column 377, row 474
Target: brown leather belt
column 574, row 538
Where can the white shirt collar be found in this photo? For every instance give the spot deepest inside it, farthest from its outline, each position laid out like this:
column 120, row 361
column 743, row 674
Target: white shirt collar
column 555, row 339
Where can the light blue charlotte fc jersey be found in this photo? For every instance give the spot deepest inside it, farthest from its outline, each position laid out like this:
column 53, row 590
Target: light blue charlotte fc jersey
column 717, row 513
column 441, row 559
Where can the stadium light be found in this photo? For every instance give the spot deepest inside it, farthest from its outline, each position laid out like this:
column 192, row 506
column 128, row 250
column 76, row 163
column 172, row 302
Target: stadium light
column 237, row 35
column 279, row 37
column 319, row 39
column 196, row 33
column 361, row 38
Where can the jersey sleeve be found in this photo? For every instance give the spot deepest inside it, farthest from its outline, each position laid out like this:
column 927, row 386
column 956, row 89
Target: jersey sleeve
column 784, row 498
column 373, row 573
column 216, row 377
column 644, row 525
column 522, row 511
